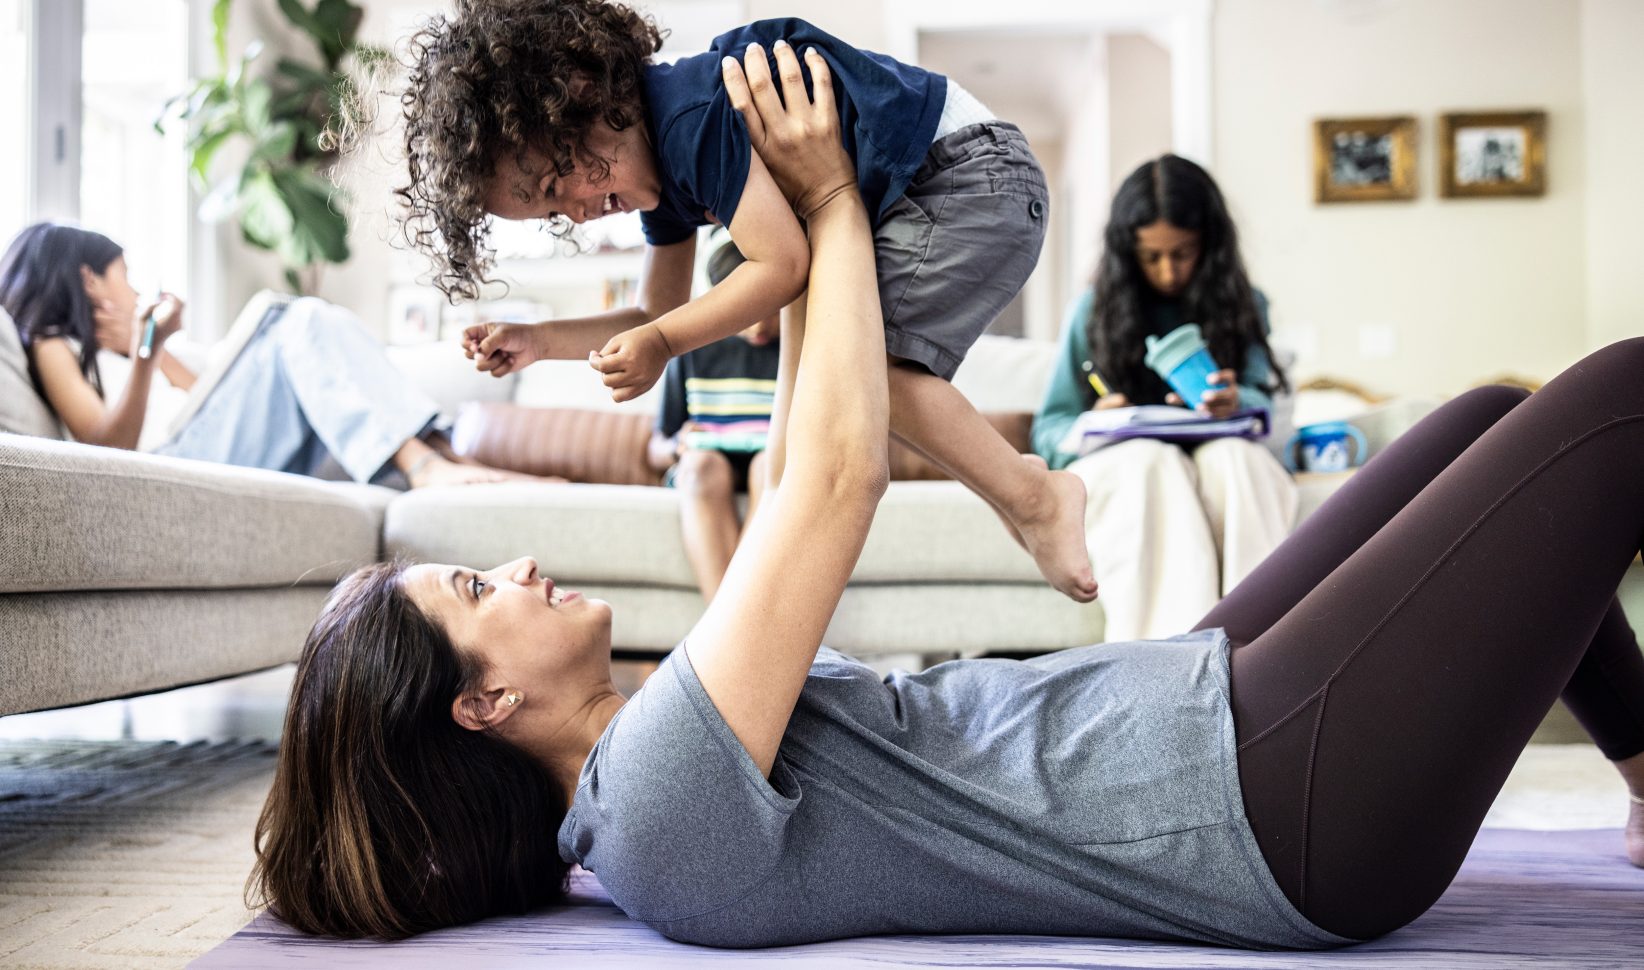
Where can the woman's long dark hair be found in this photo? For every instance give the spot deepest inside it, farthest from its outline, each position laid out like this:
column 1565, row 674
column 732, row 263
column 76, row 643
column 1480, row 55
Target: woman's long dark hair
column 1218, row 297
column 41, row 287
column 387, row 818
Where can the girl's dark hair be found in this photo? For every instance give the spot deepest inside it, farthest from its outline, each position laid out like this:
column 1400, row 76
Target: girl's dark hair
column 41, row 288
column 508, row 76
column 387, row 818
column 1218, row 297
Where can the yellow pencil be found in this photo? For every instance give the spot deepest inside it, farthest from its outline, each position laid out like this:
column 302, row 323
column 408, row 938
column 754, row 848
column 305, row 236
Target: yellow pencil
column 1096, row 384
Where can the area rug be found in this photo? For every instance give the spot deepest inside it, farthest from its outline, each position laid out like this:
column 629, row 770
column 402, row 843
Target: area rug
column 119, row 855
column 1523, row 899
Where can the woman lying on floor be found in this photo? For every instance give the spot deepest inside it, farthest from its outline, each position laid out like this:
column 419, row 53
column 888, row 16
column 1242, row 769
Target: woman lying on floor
column 300, row 393
column 1306, row 770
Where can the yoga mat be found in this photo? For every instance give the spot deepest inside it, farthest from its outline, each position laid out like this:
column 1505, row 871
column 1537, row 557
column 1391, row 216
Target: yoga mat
column 1522, row 899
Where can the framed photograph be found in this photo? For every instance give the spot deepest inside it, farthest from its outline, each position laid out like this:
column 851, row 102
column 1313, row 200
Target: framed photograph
column 413, row 315
column 1492, row 154
column 1364, row 159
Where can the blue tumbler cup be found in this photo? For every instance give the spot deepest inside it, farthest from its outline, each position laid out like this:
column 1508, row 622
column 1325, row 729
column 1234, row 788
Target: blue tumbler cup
column 1181, row 358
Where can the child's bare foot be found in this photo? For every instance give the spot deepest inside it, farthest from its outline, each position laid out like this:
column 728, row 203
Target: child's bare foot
column 1010, row 526
column 1054, row 533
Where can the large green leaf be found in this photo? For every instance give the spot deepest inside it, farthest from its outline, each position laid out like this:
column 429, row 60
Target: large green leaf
column 219, row 33
column 303, row 74
column 339, row 22
column 265, row 218
column 299, row 15
column 320, row 232
column 205, row 150
column 256, row 106
column 276, row 143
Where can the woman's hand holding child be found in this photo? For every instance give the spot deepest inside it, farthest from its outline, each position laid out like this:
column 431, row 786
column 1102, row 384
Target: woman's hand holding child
column 799, row 143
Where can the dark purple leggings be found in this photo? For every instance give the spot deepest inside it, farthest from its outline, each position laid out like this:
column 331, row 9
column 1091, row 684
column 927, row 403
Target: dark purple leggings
column 1392, row 658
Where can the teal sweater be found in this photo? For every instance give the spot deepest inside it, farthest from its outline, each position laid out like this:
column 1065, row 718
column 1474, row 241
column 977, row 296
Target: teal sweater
column 1070, row 393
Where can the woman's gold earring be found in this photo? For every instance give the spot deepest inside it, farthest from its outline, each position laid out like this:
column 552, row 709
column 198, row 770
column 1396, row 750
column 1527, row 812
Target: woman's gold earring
column 513, row 697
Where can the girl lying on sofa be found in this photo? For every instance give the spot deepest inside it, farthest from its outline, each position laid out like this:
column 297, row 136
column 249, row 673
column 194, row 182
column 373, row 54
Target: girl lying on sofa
column 1306, row 770
column 309, row 386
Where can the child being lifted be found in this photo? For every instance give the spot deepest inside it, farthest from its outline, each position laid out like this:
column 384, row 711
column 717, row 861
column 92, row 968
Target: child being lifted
column 553, row 110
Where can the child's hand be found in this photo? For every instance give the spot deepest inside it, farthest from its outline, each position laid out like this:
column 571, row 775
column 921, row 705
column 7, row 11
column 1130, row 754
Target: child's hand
column 1108, row 401
column 798, row 141
column 500, row 348
column 632, row 362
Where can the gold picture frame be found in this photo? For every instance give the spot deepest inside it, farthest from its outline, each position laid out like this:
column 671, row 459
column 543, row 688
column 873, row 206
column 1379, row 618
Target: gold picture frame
column 1490, row 154
column 1364, row 159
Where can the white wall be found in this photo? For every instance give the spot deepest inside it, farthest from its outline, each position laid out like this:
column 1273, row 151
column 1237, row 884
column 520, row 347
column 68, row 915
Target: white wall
column 861, row 22
column 1454, row 291
column 1139, row 103
column 1464, row 289
column 1612, row 44
column 1079, row 199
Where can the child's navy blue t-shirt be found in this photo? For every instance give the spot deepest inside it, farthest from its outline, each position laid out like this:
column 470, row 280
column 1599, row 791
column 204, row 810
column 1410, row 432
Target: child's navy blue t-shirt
column 888, row 112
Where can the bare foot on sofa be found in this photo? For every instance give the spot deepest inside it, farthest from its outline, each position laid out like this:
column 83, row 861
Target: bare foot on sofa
column 1054, row 533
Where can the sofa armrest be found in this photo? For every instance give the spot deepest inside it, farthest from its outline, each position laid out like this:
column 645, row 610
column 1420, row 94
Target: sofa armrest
column 593, row 447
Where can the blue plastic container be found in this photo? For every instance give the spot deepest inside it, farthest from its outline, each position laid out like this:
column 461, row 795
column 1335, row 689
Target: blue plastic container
column 1183, row 360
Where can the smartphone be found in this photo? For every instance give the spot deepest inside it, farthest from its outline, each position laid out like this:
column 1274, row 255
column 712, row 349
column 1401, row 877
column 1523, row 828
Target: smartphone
column 161, row 314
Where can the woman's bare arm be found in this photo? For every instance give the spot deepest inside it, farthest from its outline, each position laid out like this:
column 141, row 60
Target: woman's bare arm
column 754, row 646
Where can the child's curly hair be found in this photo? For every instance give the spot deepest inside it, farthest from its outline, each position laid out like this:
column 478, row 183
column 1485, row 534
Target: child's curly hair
column 509, row 75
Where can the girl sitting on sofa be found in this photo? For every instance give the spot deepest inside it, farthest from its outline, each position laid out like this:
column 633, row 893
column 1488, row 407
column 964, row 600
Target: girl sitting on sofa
column 302, row 391
column 1306, row 771
column 1170, row 531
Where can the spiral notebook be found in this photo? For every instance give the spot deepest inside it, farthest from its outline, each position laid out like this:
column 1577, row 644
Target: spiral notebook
column 1094, row 430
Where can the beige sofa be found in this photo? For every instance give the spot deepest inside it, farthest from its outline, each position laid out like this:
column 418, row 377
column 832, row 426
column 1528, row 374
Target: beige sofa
column 124, row 573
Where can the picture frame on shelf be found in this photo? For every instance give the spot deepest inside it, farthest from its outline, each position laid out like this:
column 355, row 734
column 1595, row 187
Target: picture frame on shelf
column 413, row 315
column 1491, row 154
column 1364, row 159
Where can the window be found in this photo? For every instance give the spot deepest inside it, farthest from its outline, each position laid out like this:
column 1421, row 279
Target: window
column 134, row 181
column 15, row 143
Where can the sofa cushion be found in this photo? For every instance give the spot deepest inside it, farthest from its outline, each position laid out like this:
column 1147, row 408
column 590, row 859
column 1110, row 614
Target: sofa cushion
column 21, row 409
column 1004, row 374
column 589, row 446
column 577, row 533
column 924, row 532
column 79, row 517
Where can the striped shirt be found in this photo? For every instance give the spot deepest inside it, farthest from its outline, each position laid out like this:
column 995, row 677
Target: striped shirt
column 724, row 391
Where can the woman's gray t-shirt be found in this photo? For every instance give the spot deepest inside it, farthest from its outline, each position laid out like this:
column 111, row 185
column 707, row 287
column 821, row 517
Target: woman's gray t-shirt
column 1090, row 792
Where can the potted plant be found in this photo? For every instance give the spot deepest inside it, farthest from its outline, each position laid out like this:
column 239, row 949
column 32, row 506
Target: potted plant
column 284, row 200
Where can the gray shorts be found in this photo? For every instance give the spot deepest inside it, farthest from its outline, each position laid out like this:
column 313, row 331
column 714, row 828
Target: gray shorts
column 959, row 244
